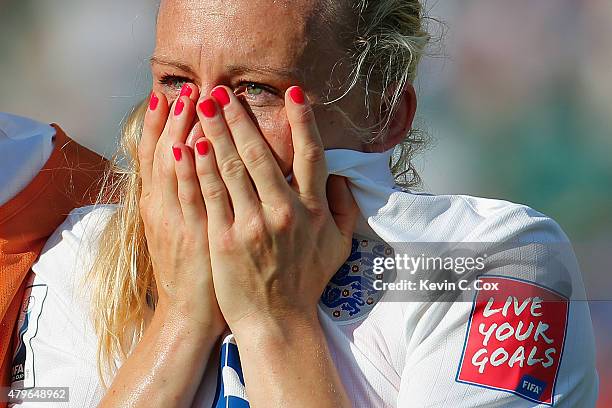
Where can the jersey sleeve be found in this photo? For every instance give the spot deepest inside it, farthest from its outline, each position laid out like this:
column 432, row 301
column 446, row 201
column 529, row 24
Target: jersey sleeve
column 522, row 338
column 55, row 344
column 26, row 145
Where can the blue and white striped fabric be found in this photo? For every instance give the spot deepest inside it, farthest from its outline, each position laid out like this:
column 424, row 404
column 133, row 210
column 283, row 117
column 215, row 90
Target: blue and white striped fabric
column 348, row 296
column 231, row 391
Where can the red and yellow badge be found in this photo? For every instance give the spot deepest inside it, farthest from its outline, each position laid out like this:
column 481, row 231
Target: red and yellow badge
column 515, row 337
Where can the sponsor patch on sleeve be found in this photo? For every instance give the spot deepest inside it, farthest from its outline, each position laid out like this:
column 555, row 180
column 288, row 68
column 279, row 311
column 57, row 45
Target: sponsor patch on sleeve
column 22, row 367
column 515, row 338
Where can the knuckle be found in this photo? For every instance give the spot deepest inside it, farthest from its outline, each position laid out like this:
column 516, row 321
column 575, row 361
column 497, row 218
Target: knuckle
column 226, row 242
column 233, row 168
column 285, row 218
column 233, row 117
column 256, row 230
column 255, row 154
column 188, row 197
column 319, row 213
column 184, row 175
column 216, row 131
column 156, row 155
column 314, row 152
column 318, row 216
column 201, row 171
column 305, row 116
column 144, row 155
column 213, row 190
column 318, row 210
column 166, row 168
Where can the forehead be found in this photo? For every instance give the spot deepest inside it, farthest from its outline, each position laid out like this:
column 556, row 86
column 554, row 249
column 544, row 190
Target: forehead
column 209, row 32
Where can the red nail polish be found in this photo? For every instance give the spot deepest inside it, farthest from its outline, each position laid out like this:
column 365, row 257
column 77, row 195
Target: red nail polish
column 153, row 101
column 177, row 153
column 208, row 108
column 186, row 90
column 202, row 147
column 297, row 95
column 178, row 108
column 221, row 96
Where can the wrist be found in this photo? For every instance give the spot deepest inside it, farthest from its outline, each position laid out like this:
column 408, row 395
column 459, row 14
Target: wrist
column 277, row 331
column 183, row 315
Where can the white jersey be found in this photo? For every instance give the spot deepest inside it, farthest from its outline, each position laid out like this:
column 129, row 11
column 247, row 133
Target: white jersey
column 476, row 350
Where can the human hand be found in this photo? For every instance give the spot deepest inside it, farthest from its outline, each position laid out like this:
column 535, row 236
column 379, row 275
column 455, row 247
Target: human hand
column 273, row 245
column 173, row 213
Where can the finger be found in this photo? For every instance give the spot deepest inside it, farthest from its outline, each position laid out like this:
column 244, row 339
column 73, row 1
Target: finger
column 342, row 205
column 309, row 169
column 216, row 198
column 255, row 153
column 191, row 91
column 195, row 133
column 154, row 122
column 184, row 103
column 184, row 115
column 188, row 187
column 231, row 168
column 177, row 127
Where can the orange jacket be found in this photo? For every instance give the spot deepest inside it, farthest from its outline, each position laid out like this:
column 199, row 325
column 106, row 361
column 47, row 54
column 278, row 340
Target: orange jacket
column 69, row 179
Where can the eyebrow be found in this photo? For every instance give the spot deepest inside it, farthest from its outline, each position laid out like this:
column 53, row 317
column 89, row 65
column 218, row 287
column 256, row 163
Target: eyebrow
column 234, row 70
column 183, row 67
column 263, row 69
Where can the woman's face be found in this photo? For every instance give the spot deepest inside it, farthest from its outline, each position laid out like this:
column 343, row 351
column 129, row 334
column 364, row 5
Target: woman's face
column 259, row 49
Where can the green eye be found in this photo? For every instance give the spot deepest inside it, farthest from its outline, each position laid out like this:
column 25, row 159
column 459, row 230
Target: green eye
column 258, row 95
column 253, row 89
column 173, row 81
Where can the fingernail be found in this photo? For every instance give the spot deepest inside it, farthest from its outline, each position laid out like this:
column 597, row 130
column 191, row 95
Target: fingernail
column 178, row 108
column 297, row 95
column 221, row 96
column 208, row 108
column 202, row 147
column 186, row 90
column 177, row 153
column 153, row 101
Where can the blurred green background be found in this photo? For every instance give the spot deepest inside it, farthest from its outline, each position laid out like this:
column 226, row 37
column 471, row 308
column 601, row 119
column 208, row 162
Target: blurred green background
column 516, row 99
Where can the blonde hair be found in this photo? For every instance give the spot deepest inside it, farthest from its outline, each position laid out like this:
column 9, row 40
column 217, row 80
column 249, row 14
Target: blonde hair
column 384, row 53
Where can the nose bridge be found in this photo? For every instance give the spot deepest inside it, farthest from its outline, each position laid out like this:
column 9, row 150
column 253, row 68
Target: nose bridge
column 207, row 86
column 208, row 82
column 210, row 70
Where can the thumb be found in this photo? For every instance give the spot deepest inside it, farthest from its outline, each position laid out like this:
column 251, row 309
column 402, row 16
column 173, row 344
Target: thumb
column 342, row 205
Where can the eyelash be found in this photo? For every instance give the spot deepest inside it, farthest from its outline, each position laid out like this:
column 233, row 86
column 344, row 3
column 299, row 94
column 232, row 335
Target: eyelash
column 171, row 81
column 168, row 80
